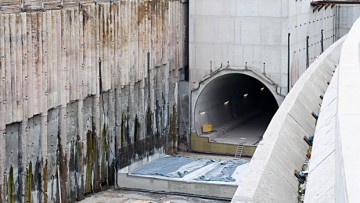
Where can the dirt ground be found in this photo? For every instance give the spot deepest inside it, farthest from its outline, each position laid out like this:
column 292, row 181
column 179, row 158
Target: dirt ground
column 123, row 196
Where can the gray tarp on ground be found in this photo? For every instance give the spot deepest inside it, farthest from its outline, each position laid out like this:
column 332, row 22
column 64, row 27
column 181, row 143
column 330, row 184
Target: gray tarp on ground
column 222, row 172
column 173, row 166
column 179, row 166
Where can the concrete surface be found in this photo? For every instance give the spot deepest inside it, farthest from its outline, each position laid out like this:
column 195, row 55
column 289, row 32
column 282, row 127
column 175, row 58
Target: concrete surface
column 253, row 35
column 320, row 186
column 334, row 166
column 270, row 175
column 235, row 33
column 348, row 119
column 251, row 131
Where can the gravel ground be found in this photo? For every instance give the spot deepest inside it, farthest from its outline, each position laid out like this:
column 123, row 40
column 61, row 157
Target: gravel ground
column 123, row 196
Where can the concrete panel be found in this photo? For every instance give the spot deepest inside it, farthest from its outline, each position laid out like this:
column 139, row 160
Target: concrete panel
column 53, row 126
column 12, row 143
column 348, row 115
column 213, row 8
column 282, row 149
column 255, row 32
column 320, row 185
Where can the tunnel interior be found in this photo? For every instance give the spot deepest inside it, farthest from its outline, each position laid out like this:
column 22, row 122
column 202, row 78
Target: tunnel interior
column 238, row 107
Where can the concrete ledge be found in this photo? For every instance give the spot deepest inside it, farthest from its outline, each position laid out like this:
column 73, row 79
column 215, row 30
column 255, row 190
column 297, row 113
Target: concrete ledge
column 219, row 191
column 202, row 144
column 270, row 174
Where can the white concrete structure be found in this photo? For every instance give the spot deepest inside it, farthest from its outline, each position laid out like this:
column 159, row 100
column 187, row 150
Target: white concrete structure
column 346, row 16
column 334, row 164
column 251, row 35
column 320, row 186
column 348, row 119
column 255, row 32
column 270, row 175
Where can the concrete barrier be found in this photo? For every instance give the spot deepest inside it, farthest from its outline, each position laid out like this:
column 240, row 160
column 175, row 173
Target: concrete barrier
column 270, row 176
column 333, row 168
column 348, row 118
column 320, row 186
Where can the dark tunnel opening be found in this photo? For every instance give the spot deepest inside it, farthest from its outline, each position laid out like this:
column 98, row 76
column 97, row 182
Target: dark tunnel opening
column 234, row 107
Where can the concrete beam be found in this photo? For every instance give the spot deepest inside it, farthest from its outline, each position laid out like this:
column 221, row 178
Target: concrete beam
column 320, row 3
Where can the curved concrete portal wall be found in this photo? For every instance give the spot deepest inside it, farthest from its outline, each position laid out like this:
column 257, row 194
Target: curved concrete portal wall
column 230, row 99
column 219, row 100
column 270, row 175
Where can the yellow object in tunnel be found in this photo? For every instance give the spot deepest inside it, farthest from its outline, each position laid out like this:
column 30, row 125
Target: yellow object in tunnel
column 206, row 128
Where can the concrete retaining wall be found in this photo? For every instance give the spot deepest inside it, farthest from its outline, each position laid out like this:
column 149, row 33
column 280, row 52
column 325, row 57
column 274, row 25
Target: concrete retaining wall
column 270, row 175
column 78, row 90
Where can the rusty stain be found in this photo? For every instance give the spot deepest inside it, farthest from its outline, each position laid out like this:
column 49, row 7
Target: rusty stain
column 142, row 11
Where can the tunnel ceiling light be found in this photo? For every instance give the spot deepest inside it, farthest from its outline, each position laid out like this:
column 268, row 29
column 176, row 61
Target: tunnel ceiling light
column 245, row 95
column 262, row 89
column 226, row 102
column 202, row 113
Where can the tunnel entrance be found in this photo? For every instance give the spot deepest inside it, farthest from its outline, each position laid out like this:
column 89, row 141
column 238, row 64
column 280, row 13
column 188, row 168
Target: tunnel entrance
column 234, row 107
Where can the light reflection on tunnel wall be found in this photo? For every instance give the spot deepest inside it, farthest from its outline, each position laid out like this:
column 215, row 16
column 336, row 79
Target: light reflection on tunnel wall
column 231, row 100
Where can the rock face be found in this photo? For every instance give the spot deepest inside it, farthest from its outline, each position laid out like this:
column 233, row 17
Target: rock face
column 86, row 88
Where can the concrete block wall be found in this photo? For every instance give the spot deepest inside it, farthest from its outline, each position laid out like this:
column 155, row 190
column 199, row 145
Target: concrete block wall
column 80, row 96
column 270, row 175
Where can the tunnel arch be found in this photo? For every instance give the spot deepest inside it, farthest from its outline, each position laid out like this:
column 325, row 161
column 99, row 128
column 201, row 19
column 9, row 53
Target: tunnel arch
column 237, row 105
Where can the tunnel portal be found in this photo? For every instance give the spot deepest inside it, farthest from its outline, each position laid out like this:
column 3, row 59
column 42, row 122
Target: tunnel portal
column 234, row 108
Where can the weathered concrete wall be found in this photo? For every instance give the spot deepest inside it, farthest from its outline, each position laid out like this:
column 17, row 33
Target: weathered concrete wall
column 270, row 174
column 89, row 87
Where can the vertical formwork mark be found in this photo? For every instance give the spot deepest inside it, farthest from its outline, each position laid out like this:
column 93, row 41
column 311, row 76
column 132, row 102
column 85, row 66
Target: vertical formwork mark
column 288, row 80
column 322, row 41
column 148, row 75
column 307, row 52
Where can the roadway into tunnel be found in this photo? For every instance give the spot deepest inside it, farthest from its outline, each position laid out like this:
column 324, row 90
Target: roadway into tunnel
column 251, row 129
column 236, row 106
